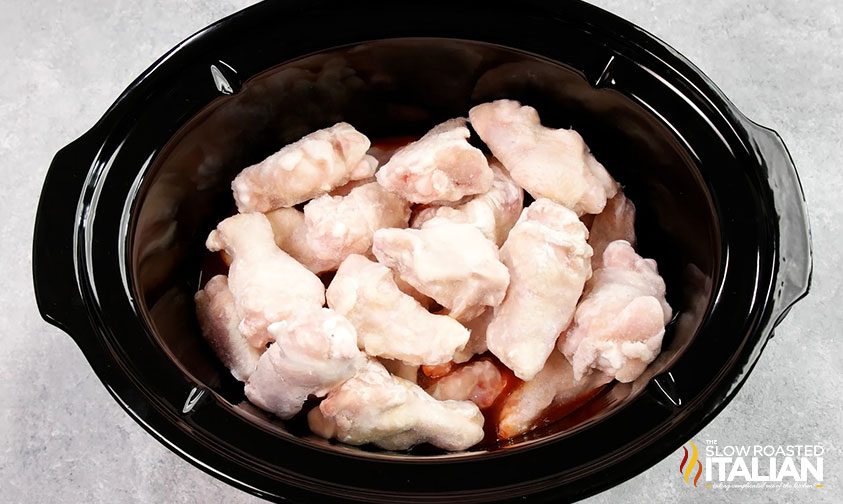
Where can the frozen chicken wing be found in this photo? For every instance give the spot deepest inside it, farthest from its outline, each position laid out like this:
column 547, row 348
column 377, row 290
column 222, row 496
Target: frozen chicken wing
column 548, row 163
column 553, row 386
column 333, row 227
column 338, row 226
column 479, row 382
column 395, row 414
column 437, row 371
column 411, row 291
column 452, row 263
column 615, row 222
column 493, row 212
column 620, row 322
column 314, row 165
column 390, row 323
column 440, row 166
column 477, row 339
column 219, row 322
column 401, row 369
column 290, row 232
column 313, row 352
column 549, row 261
column 346, row 188
column 267, row 284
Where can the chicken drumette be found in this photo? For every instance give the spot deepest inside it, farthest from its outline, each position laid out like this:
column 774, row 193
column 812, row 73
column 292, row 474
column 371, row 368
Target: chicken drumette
column 313, row 352
column 219, row 321
column 395, row 414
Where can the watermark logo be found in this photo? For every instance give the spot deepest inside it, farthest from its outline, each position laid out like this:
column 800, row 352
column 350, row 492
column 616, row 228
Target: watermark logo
column 752, row 466
column 691, row 465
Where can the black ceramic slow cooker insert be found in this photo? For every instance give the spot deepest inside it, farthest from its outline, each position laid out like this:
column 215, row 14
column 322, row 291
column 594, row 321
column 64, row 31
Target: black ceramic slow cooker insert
column 125, row 210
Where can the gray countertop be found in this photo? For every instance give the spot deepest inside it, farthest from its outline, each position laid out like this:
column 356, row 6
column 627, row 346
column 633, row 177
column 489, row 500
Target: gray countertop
column 63, row 438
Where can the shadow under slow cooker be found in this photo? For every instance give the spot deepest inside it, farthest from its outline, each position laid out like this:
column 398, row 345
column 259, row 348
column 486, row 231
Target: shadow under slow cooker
column 403, row 87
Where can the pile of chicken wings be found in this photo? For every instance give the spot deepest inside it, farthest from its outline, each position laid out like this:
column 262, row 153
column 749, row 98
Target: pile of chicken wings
column 417, row 295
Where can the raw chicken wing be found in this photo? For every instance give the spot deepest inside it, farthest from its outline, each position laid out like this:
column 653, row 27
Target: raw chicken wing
column 479, row 382
column 268, row 285
column 338, row 226
column 314, row 165
column 493, row 212
column 313, row 352
column 346, row 188
column 395, row 414
column 438, row 370
column 452, row 263
column 615, row 222
column 441, row 166
column 477, row 340
column 218, row 320
column 333, row 227
column 554, row 385
column 549, row 261
column 290, row 232
column 548, row 163
column 619, row 323
column 389, row 322
column 401, row 369
column 413, row 292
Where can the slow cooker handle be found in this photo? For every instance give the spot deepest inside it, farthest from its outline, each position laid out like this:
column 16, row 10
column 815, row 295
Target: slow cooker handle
column 795, row 257
column 57, row 291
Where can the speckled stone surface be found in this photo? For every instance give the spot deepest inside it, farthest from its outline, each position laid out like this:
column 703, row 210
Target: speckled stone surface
column 62, row 437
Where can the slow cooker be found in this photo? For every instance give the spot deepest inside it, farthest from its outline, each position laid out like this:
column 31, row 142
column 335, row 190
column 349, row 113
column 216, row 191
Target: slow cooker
column 118, row 247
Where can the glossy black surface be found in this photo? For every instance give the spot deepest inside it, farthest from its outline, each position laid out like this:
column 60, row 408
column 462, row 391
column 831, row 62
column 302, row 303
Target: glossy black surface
column 125, row 209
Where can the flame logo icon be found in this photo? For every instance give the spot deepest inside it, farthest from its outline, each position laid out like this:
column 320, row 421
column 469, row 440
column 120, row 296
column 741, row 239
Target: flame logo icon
column 687, row 466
